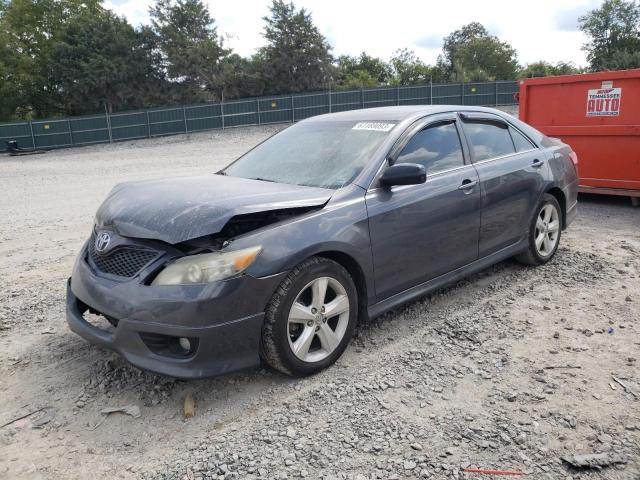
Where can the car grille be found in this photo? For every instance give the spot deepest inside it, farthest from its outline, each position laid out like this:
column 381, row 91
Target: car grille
column 122, row 261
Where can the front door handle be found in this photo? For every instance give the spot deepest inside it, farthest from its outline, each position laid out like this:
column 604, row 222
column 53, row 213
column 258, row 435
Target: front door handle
column 537, row 163
column 468, row 184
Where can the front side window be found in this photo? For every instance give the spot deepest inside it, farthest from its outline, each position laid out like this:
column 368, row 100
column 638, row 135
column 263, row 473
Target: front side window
column 436, row 147
column 325, row 154
column 489, row 140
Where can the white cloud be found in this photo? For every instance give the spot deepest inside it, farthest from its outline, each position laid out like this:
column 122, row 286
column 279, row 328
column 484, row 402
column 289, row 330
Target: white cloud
column 538, row 30
column 430, row 41
column 136, row 11
column 567, row 18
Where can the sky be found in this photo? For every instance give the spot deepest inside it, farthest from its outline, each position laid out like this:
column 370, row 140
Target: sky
column 539, row 29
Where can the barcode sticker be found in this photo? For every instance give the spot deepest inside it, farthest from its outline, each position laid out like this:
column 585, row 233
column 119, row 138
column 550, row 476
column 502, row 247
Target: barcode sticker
column 377, row 126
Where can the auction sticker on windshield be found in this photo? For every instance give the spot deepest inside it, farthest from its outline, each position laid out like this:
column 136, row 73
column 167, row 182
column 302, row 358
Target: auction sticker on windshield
column 377, row 126
column 604, row 102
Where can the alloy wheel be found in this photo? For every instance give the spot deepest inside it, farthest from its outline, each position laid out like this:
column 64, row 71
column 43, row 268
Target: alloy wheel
column 547, row 230
column 318, row 319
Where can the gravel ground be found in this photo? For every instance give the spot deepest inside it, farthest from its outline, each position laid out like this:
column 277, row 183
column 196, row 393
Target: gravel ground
column 513, row 368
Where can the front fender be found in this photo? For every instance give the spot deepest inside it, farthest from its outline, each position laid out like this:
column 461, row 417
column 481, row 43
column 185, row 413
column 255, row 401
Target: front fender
column 341, row 226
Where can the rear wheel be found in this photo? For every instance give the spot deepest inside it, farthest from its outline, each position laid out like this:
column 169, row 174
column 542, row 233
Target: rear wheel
column 544, row 232
column 310, row 318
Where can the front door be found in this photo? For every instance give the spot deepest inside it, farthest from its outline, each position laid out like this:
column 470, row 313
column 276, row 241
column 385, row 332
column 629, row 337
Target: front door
column 419, row 232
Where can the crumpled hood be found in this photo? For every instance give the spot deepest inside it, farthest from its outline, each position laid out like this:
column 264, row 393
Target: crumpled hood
column 178, row 209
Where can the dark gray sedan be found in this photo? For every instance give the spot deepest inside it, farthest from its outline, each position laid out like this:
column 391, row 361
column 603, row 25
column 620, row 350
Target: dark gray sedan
column 332, row 221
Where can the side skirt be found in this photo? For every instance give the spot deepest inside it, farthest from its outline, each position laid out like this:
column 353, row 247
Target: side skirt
column 412, row 293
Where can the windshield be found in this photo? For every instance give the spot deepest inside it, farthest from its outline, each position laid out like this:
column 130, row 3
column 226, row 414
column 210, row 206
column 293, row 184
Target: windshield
column 315, row 154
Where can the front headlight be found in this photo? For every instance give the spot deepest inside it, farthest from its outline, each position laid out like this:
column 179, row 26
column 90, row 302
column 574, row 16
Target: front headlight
column 206, row 267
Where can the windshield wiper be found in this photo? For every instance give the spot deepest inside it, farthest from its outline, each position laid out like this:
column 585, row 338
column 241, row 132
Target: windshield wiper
column 263, row 179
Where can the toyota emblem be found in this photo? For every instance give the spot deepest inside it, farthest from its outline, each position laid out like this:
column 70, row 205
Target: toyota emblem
column 102, row 242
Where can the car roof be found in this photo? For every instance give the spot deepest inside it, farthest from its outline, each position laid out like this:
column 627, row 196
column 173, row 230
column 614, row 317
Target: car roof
column 396, row 113
column 405, row 115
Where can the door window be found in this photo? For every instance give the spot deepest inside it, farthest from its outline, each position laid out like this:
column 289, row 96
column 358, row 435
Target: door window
column 489, row 140
column 437, row 147
column 521, row 142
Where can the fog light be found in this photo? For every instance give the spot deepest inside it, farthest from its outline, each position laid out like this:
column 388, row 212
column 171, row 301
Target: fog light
column 185, row 344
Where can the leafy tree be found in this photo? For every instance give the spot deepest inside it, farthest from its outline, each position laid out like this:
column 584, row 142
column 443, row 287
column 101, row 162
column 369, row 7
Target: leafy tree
column 357, row 79
column 458, row 38
column 28, row 32
column 363, row 71
column 74, row 56
column 9, row 85
column 297, row 56
column 622, row 59
column 153, row 86
column 100, row 60
column 242, row 77
column 472, row 54
column 614, row 35
column 546, row 69
column 408, row 69
column 191, row 50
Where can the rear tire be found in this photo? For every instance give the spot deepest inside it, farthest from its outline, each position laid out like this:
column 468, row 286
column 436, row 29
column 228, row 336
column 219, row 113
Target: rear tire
column 310, row 318
column 545, row 230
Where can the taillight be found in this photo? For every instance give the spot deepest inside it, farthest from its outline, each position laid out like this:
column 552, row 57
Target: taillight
column 574, row 158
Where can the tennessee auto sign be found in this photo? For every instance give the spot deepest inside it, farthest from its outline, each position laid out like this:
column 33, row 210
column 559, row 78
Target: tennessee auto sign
column 604, row 102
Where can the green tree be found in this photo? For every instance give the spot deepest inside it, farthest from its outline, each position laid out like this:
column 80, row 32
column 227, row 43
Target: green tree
column 408, row 69
column 614, row 35
column 363, row 71
column 357, row 79
column 297, row 56
column 242, row 77
column 472, row 54
column 28, row 32
column 9, row 85
column 546, row 69
column 623, row 59
column 191, row 49
column 100, row 60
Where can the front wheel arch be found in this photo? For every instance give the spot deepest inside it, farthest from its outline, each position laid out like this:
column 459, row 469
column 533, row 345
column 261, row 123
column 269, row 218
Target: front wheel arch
column 358, row 276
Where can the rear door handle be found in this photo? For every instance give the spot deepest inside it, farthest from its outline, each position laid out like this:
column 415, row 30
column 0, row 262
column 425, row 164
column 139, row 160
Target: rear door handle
column 537, row 163
column 467, row 184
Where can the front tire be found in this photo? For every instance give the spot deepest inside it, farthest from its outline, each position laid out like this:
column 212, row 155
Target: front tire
column 544, row 232
column 310, row 319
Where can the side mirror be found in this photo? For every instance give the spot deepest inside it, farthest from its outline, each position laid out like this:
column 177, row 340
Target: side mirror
column 404, row 174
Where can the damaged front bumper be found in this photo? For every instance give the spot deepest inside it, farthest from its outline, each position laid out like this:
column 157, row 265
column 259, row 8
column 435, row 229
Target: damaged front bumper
column 222, row 321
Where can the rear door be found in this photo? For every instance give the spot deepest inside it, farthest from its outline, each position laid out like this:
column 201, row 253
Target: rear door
column 419, row 232
column 511, row 171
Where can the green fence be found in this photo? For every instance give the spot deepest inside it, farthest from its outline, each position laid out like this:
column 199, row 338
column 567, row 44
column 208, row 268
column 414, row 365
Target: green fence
column 104, row 128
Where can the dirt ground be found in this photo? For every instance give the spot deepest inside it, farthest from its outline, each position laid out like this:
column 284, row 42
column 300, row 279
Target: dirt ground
column 513, row 368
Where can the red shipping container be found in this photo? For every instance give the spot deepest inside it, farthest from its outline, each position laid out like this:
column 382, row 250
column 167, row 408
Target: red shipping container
column 598, row 114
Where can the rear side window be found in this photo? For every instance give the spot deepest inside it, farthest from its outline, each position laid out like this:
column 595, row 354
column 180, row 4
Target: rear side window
column 521, row 142
column 489, row 140
column 437, row 147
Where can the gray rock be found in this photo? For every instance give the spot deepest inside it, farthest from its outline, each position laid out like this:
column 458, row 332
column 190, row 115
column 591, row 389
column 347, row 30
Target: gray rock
column 409, row 465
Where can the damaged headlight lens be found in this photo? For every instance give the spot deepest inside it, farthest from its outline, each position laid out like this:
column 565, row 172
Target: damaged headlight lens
column 206, row 267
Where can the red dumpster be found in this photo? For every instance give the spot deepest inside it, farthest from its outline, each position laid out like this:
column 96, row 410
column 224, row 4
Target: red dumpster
column 598, row 114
